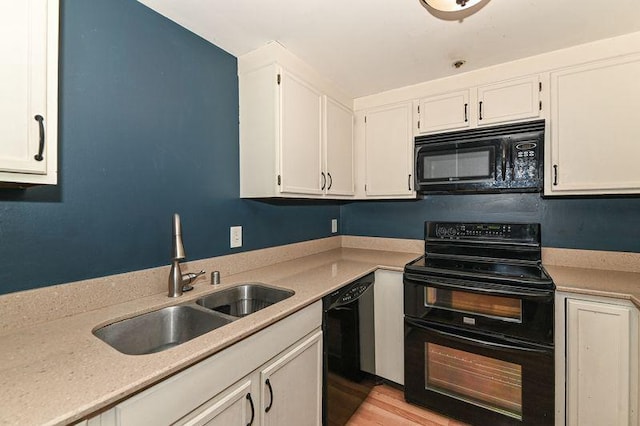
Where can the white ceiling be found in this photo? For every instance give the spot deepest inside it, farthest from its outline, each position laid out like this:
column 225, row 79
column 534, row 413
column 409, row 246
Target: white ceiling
column 366, row 47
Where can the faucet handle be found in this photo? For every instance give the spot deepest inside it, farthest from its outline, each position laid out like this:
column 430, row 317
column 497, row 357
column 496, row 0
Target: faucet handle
column 188, row 278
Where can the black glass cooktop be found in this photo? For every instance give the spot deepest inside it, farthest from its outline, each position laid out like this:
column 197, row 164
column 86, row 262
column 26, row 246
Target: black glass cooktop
column 492, row 270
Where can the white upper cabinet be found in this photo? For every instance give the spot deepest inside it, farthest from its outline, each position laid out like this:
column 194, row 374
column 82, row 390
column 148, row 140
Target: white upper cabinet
column 338, row 149
column 301, row 135
column 505, row 101
column 595, row 131
column 388, row 142
column 509, row 101
column 296, row 138
column 444, row 112
column 280, row 134
column 29, row 88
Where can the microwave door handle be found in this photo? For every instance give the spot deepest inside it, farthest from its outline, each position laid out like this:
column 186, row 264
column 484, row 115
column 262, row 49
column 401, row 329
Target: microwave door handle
column 504, row 162
column 472, row 340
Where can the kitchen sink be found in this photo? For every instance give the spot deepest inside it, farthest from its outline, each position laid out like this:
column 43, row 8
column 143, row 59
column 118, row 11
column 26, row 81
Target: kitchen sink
column 160, row 330
column 244, row 299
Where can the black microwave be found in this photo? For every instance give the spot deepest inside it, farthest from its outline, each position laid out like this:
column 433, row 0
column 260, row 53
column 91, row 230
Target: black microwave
column 507, row 158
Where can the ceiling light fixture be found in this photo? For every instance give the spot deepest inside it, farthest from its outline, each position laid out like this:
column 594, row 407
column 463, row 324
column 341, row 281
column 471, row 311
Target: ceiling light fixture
column 450, row 5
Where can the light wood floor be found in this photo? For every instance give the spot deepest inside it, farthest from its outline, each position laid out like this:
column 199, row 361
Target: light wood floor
column 386, row 406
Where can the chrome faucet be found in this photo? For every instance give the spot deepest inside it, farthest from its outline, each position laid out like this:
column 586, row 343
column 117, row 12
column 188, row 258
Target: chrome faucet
column 179, row 282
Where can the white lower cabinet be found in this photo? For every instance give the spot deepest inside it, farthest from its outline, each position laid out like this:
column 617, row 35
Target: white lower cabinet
column 230, row 387
column 389, row 325
column 233, row 407
column 601, row 365
column 291, row 385
column 288, row 391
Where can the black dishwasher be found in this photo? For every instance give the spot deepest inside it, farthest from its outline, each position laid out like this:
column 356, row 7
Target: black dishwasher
column 348, row 348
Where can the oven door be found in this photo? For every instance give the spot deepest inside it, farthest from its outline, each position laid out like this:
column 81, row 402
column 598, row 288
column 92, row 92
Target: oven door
column 479, row 379
column 458, row 166
column 518, row 312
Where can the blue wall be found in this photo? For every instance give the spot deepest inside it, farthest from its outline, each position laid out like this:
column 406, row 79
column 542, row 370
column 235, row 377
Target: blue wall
column 148, row 127
column 585, row 223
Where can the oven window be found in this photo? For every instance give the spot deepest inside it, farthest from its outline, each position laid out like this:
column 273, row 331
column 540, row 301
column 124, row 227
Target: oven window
column 461, row 301
column 488, row 382
column 457, row 164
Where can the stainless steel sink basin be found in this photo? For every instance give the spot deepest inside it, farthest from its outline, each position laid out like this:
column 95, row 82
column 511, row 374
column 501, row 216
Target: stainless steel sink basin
column 244, row 299
column 160, row 330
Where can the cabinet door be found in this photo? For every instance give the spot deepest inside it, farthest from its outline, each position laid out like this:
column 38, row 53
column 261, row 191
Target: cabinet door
column 598, row 364
column 300, row 138
column 389, row 325
column 292, row 386
column 444, row 112
column 23, row 60
column 338, row 138
column 259, row 99
column 235, row 406
column 389, row 151
column 511, row 100
column 595, row 128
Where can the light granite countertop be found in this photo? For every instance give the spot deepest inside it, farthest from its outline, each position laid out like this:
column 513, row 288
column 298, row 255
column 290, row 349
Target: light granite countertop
column 597, row 282
column 593, row 272
column 54, row 371
column 57, row 372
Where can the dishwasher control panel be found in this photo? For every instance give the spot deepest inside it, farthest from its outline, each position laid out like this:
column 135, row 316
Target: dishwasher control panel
column 351, row 292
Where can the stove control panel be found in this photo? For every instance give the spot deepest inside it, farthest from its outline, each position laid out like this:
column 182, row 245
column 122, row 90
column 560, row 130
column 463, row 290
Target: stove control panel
column 462, row 230
column 482, row 231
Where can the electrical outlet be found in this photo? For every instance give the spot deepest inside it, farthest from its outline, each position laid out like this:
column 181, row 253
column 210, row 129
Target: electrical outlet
column 334, row 226
column 235, row 236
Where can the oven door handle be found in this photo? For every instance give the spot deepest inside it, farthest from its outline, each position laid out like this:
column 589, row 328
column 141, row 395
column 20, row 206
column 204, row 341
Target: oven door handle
column 475, row 341
column 521, row 294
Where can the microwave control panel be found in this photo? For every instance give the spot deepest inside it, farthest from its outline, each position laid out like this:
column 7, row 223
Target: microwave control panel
column 524, row 160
